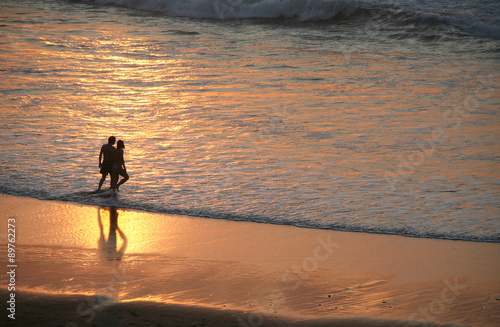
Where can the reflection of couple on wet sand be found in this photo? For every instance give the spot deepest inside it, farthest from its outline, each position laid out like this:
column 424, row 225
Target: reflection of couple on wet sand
column 111, row 162
column 108, row 248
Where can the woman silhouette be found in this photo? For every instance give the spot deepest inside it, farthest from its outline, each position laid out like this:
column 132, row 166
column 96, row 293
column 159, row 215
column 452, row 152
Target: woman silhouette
column 118, row 167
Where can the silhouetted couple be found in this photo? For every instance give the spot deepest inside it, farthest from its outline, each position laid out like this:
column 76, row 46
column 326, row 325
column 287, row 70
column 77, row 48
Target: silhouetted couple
column 111, row 162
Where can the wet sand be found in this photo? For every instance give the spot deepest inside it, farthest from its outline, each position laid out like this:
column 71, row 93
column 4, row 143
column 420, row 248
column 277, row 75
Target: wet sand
column 80, row 265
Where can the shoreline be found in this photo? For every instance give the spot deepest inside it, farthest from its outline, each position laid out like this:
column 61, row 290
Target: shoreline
column 230, row 217
column 250, row 273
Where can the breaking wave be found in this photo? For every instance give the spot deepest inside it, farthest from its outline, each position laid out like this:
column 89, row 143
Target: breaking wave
column 480, row 21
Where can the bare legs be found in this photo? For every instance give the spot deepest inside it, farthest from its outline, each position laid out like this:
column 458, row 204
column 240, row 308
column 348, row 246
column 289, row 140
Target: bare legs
column 114, row 179
column 103, row 178
column 123, row 180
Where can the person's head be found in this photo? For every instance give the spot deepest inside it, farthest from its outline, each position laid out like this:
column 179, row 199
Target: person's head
column 111, row 140
column 120, row 144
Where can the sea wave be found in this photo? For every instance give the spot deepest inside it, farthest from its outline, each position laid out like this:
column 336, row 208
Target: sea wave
column 480, row 24
column 241, row 9
column 108, row 199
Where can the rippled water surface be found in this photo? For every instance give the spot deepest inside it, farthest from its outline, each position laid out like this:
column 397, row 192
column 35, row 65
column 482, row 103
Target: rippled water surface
column 351, row 123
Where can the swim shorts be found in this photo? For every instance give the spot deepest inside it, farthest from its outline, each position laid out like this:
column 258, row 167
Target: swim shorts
column 106, row 167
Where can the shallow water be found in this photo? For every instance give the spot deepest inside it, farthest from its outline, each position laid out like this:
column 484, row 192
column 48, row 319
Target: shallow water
column 381, row 120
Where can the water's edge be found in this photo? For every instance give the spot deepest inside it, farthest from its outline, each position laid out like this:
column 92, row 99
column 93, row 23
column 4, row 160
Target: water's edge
column 111, row 201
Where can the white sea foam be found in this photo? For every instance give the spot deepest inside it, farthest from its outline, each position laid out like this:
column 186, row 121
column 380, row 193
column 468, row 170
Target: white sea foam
column 230, row 9
column 480, row 20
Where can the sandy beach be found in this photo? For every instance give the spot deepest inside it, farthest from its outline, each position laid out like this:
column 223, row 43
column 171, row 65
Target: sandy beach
column 291, row 163
column 79, row 265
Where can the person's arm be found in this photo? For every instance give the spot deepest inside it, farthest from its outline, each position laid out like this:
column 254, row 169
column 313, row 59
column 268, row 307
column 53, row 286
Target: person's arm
column 100, row 157
column 123, row 161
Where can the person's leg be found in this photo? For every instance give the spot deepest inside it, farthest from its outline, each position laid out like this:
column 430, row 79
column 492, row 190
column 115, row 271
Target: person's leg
column 124, row 179
column 114, row 179
column 103, row 178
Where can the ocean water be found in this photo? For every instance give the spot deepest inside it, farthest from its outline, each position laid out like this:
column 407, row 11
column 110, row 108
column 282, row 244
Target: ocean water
column 371, row 116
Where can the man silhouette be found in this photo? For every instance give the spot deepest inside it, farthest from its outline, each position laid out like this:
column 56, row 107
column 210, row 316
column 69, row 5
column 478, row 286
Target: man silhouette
column 106, row 160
